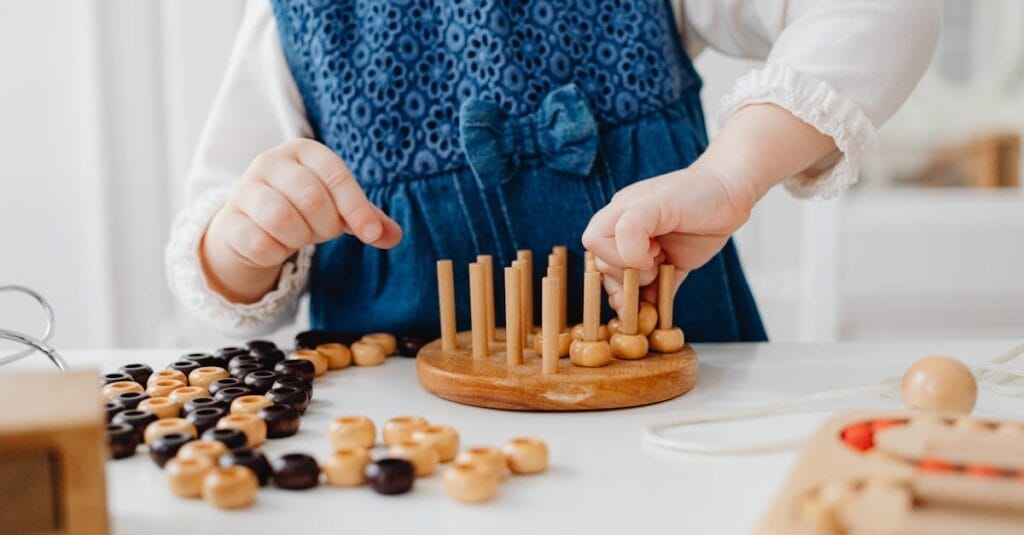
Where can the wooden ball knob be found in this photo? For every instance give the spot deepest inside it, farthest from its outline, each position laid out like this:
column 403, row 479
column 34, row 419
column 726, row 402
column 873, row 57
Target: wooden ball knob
column 401, row 428
column 175, row 375
column 338, row 355
column 443, row 438
column 629, row 346
column 206, row 375
column 614, row 326
column 423, row 456
column 162, row 407
column 602, row 333
column 367, row 353
column 647, row 318
column 526, row 455
column 352, row 432
column 163, row 387
column 112, row 390
column 939, row 384
column 167, row 426
column 667, row 340
column 250, row 404
column 185, row 476
column 319, row 360
column 187, row 393
column 387, row 342
column 564, row 343
column 470, row 482
column 590, row 354
column 488, row 457
column 231, row 487
column 344, row 468
column 209, row 449
column 255, row 429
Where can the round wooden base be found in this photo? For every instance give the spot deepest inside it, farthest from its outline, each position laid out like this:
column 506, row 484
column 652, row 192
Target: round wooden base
column 490, row 382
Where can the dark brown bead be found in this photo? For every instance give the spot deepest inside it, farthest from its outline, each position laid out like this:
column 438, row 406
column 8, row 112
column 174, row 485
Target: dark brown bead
column 205, row 360
column 241, row 370
column 226, row 395
column 260, row 346
column 289, row 396
column 295, row 382
column 390, row 476
column 260, row 381
column 135, row 418
column 205, row 418
column 409, row 346
column 282, row 420
column 313, row 338
column 200, row 403
column 184, row 366
column 165, row 447
column 296, row 367
column 130, row 400
column 230, row 353
column 270, row 358
column 116, row 377
column 121, row 440
column 251, row 458
column 221, row 384
column 245, row 359
column 232, row 438
column 112, row 409
column 296, row 471
column 140, row 372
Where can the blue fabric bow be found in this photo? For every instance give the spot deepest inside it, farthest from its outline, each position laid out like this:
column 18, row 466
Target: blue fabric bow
column 561, row 135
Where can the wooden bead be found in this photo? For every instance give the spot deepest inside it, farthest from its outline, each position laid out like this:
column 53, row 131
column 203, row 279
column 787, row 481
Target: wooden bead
column 135, row 418
column 614, row 326
column 230, row 352
column 602, row 333
column 423, row 456
column 117, row 377
column 130, row 400
column 254, row 428
column 226, row 382
column 185, row 394
column 629, row 346
column 444, row 439
column 387, row 342
column 352, row 432
column 241, row 370
column 312, row 338
column 590, row 354
column 344, row 467
column 282, row 420
column 165, row 447
column 526, row 455
column 112, row 409
column 296, row 471
column 338, row 355
column 185, row 476
column 195, row 404
column 205, row 417
column 161, row 407
column 260, row 346
column 318, row 359
column 260, row 381
column 564, row 343
column 667, row 340
column 163, row 387
column 470, row 482
column 292, row 397
column 294, row 382
column 390, row 476
column 249, row 404
column 367, row 353
column 173, row 375
column 204, row 360
column 111, row 391
column 139, row 372
column 939, row 384
column 269, row 358
column 296, row 367
column 209, row 449
column 232, row 438
column 121, row 440
column 232, row 487
column 488, row 457
column 410, row 346
column 168, row 425
column 183, row 366
column 246, row 359
column 253, row 459
column 205, row 376
column 401, row 428
column 226, row 396
column 647, row 318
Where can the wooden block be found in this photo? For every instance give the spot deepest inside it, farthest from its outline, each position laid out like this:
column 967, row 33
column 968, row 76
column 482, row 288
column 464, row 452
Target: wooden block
column 549, row 322
column 488, row 267
column 513, row 317
column 446, row 303
column 526, row 258
column 478, row 310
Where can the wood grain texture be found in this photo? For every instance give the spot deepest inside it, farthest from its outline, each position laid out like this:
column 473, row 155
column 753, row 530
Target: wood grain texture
column 490, row 382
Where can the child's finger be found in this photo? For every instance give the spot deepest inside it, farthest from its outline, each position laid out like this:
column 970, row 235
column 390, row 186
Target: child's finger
column 649, row 293
column 614, row 290
column 266, row 207
column 392, row 233
column 309, row 196
column 633, row 238
column 250, row 242
column 599, row 236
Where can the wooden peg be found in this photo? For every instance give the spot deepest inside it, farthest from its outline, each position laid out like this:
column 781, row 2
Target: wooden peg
column 478, row 312
column 589, row 263
column 525, row 257
column 524, row 301
column 591, row 306
column 630, row 300
column 513, row 316
column 666, row 283
column 549, row 325
column 557, row 269
column 488, row 264
column 446, row 303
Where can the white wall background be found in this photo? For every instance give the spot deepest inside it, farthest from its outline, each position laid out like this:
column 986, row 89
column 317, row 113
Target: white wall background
column 102, row 103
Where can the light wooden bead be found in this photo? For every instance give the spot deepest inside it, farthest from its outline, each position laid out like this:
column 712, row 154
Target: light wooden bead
column 113, row 390
column 488, row 457
column 386, row 341
column 590, row 354
column 163, row 387
column 614, row 326
column 231, row 487
column 939, row 384
column 175, row 375
column 422, row 455
column 564, row 343
column 166, row 426
column 526, row 455
column 338, row 355
column 188, row 393
column 444, row 439
column 367, row 353
column 162, row 407
column 250, row 404
column 253, row 426
column 344, row 467
column 629, row 346
column 667, row 340
column 207, row 449
column 470, row 482
column 205, row 376
column 185, row 476
column 401, row 428
column 602, row 333
column 319, row 360
column 352, row 432
column 647, row 318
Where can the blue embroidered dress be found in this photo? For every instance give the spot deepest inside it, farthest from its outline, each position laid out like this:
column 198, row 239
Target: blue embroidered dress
column 487, row 126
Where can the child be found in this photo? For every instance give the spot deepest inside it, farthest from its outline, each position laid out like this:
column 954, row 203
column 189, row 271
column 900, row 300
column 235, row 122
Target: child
column 355, row 142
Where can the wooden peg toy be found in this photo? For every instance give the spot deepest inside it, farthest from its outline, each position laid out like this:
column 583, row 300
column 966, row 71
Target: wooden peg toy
column 591, row 351
column 555, row 272
column 525, row 304
column 559, row 259
column 344, row 467
column 446, row 304
column 525, row 258
column 478, row 310
column 667, row 338
column 939, row 384
column 526, row 455
column 549, row 322
column 487, row 264
column 513, row 317
column 352, row 432
column 629, row 343
column 470, row 482
column 589, row 262
column 232, row 487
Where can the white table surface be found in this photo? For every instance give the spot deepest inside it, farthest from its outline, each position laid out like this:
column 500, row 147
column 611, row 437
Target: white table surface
column 602, row 478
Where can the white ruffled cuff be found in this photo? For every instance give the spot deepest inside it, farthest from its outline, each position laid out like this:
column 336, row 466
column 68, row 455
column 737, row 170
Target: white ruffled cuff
column 817, row 104
column 189, row 285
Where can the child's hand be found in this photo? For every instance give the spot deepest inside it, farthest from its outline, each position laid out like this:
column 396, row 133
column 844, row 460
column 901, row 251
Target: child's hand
column 295, row 194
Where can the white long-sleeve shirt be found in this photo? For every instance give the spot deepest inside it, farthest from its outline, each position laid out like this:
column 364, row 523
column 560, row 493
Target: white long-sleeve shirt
column 842, row 66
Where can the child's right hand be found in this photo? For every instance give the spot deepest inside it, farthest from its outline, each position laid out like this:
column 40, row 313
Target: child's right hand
column 295, row 194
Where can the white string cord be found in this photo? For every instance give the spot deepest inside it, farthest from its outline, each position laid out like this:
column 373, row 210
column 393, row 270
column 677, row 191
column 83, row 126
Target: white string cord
column 987, row 374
